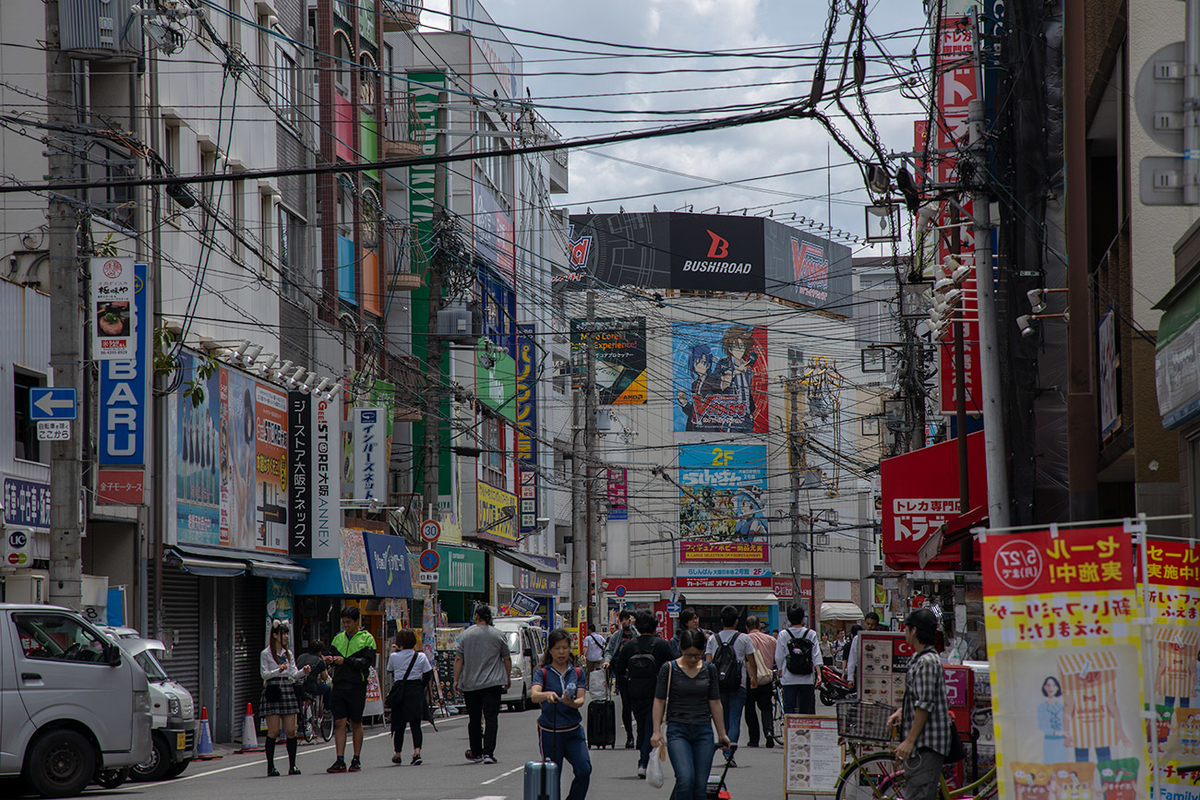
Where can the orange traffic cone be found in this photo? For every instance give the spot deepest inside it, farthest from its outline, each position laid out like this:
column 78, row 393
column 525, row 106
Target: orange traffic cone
column 204, row 746
column 249, row 733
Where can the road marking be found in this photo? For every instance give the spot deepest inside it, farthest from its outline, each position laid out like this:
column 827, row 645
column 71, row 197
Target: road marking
column 498, row 777
column 259, row 761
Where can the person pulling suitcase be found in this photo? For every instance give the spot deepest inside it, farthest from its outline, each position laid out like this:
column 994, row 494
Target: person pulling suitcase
column 558, row 685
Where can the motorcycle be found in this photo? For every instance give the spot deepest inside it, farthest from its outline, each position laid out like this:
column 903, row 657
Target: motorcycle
column 833, row 686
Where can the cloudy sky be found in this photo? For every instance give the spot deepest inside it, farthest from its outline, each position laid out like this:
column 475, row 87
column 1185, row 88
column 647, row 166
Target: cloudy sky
column 610, row 93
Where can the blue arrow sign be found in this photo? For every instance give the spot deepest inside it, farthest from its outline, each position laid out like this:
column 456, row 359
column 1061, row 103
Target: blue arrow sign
column 52, row 402
column 674, row 608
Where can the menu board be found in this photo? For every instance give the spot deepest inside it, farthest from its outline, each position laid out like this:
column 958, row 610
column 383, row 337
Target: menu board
column 882, row 666
column 812, row 755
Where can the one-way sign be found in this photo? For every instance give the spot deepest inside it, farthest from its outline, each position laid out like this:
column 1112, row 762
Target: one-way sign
column 52, row 402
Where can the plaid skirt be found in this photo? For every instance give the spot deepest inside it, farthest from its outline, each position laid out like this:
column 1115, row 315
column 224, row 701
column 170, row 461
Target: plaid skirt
column 284, row 705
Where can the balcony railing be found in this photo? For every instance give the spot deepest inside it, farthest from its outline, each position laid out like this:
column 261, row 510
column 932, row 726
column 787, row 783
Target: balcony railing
column 403, row 130
column 397, row 236
column 401, row 15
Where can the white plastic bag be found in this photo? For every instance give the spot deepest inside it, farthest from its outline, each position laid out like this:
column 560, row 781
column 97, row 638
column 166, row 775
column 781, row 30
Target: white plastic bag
column 598, row 684
column 655, row 775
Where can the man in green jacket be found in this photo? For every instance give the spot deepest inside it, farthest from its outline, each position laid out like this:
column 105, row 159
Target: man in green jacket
column 352, row 658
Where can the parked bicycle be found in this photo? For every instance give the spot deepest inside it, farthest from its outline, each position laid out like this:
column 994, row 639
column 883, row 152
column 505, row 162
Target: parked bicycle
column 315, row 719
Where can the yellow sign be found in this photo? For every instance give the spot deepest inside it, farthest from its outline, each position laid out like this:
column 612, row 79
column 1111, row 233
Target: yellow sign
column 497, row 514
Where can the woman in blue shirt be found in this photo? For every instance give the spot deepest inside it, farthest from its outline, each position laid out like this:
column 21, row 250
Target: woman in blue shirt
column 560, row 688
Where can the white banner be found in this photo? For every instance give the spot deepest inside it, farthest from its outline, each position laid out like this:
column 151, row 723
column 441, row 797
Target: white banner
column 370, row 454
column 114, row 324
column 326, row 479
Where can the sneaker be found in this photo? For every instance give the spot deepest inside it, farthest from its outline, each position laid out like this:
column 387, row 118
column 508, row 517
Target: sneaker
column 397, row 759
column 770, row 741
column 751, row 744
column 416, row 760
column 338, row 766
column 642, row 773
column 293, row 770
column 272, row 772
column 355, row 764
column 732, row 763
column 630, row 743
column 489, row 759
column 474, row 759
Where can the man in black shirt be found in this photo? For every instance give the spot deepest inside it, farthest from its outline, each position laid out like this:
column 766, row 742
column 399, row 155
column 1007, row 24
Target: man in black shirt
column 638, row 662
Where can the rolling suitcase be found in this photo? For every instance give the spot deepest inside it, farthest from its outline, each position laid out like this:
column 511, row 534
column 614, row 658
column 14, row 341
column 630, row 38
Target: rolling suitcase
column 602, row 723
column 541, row 780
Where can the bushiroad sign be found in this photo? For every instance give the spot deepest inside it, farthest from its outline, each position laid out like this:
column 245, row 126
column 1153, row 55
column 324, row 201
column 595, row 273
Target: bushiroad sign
column 431, row 530
column 52, row 402
column 429, row 560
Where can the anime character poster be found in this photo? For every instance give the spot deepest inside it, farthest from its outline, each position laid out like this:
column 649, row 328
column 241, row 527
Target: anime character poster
column 197, row 467
column 1063, row 641
column 723, row 493
column 238, row 451
column 720, row 377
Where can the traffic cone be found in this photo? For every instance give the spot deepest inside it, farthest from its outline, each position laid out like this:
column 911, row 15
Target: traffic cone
column 249, row 733
column 204, row 747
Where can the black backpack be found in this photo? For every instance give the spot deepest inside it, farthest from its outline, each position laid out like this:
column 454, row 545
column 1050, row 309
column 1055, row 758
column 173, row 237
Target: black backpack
column 799, row 653
column 642, row 672
column 729, row 668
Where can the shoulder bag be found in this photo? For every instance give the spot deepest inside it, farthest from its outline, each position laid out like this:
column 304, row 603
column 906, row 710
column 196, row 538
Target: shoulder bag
column 397, row 694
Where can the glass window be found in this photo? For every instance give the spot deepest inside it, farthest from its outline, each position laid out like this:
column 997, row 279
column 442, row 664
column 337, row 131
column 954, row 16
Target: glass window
column 54, row 637
column 513, row 638
column 28, row 448
column 150, row 666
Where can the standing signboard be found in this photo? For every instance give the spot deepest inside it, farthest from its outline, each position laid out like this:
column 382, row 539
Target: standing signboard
column 1063, row 644
column 812, row 756
column 882, row 666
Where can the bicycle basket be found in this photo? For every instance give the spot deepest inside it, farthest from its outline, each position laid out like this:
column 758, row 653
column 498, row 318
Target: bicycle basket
column 867, row 721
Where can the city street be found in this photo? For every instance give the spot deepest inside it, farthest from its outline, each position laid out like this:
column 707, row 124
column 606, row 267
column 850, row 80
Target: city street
column 443, row 776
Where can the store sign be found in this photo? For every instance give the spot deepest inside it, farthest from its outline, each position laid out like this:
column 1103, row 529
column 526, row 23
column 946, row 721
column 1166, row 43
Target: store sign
column 461, row 570
column 539, row 583
column 524, row 604
column 125, row 487
column 26, row 504
column 387, row 559
column 370, row 454
column 722, row 498
column 724, row 571
column 123, row 389
column 496, row 379
column 327, row 504
column 497, row 521
column 527, row 429
column 723, row 552
column 618, row 493
column 715, row 253
column 300, row 487
column 726, row 583
column 920, row 493
column 114, row 325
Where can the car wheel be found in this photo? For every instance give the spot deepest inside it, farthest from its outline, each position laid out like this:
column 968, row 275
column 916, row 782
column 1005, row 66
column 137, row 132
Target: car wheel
column 61, row 763
column 155, row 767
column 176, row 769
column 112, row 778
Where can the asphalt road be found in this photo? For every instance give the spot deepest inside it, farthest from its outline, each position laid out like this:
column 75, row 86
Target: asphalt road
column 445, row 775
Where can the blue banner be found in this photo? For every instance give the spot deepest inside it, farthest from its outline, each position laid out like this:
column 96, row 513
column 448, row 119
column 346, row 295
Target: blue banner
column 387, row 558
column 527, row 429
column 123, row 389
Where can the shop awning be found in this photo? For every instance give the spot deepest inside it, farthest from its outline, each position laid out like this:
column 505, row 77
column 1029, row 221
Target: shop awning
column 269, row 566
column 727, row 597
column 227, row 562
column 837, row 610
column 517, row 558
column 208, row 567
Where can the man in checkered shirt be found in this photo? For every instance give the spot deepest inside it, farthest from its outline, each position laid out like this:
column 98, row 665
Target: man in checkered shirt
column 924, row 719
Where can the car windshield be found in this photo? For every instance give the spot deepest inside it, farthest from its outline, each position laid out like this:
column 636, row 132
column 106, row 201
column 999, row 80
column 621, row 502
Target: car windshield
column 154, row 670
column 514, row 641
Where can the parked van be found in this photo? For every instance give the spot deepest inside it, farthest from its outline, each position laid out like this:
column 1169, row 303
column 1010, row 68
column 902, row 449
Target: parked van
column 72, row 702
column 172, row 712
column 526, row 643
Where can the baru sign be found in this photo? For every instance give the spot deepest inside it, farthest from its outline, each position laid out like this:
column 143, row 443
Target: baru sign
column 920, row 493
column 123, row 389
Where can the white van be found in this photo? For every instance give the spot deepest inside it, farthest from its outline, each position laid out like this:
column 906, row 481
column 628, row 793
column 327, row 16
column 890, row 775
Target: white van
column 72, row 702
column 526, row 643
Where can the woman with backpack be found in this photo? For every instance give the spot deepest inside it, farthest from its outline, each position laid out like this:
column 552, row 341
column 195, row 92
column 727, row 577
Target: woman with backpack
column 797, row 655
column 639, row 662
column 278, row 701
column 558, row 685
column 411, row 674
column 688, row 699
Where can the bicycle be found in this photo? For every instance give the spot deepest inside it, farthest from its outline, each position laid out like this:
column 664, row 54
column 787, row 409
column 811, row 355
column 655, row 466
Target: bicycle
column 315, row 718
column 876, row 775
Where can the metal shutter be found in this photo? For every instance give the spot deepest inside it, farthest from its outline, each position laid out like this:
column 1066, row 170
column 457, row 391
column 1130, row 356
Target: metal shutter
column 249, row 638
column 181, row 614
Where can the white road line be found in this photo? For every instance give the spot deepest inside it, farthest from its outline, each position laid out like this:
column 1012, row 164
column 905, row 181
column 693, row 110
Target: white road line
column 498, row 777
column 259, row 762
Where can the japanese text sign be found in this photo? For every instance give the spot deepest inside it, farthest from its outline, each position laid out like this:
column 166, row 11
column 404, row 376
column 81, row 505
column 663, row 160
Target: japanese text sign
column 1076, row 560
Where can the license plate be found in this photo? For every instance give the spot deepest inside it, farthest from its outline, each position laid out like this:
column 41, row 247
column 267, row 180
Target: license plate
column 180, row 741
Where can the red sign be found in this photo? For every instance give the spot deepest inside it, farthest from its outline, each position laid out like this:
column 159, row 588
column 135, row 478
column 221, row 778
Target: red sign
column 1071, row 560
column 120, row 487
column 920, row 492
column 724, row 552
column 1172, row 563
column 785, row 588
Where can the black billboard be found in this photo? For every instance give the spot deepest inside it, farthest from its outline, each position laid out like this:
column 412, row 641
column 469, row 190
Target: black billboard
column 712, row 253
column 619, row 250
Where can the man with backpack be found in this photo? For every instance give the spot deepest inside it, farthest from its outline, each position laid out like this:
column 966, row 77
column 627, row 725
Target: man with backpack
column 618, row 640
column 729, row 650
column 593, row 652
column 797, row 654
column 639, row 662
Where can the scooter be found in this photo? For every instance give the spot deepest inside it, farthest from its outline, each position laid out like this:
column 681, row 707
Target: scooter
column 833, row 686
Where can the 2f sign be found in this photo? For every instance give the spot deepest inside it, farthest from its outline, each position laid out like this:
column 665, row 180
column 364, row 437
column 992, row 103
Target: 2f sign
column 123, row 393
column 721, row 458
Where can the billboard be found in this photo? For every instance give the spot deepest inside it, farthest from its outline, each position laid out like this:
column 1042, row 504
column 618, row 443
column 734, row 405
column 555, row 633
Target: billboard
column 494, row 235
column 620, row 347
column 527, row 445
column 720, row 378
column 495, row 505
column 199, row 460
column 238, row 454
column 114, row 326
column 496, row 379
column 722, row 500
column 716, row 254
column 619, row 250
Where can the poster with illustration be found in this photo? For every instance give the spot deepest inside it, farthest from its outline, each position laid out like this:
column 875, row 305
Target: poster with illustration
column 270, row 468
column 1063, row 642
column 723, row 493
column 238, row 450
column 197, row 465
column 720, row 378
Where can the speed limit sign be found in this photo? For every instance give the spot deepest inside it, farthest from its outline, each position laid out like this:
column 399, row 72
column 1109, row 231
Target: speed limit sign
column 431, row 530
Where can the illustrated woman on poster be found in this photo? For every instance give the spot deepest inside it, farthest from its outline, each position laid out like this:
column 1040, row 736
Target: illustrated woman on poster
column 1091, row 716
column 1050, row 722
column 1175, row 678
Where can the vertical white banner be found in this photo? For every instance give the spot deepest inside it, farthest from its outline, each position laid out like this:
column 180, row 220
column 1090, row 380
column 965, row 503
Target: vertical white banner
column 326, row 479
column 370, row 454
column 112, row 318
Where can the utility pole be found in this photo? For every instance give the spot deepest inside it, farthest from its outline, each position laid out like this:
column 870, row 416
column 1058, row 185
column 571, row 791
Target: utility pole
column 589, row 426
column 579, row 567
column 434, row 349
column 995, row 446
column 66, row 324
column 794, row 459
column 967, row 549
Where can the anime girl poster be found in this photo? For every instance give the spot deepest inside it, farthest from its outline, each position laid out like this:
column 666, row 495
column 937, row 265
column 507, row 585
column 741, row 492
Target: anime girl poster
column 722, row 492
column 720, row 378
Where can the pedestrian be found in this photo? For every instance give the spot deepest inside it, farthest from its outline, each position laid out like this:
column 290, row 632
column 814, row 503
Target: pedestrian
column 688, row 699
column 615, row 642
column 760, row 697
column 411, row 673
column 640, row 661
column 278, row 701
column 847, row 648
column 732, row 653
column 482, row 672
column 353, row 656
column 314, row 684
column 594, row 649
column 871, row 623
column 558, row 685
column 925, row 722
column 797, row 654
column 688, row 619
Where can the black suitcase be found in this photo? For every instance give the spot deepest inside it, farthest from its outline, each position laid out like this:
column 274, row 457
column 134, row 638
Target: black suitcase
column 602, row 723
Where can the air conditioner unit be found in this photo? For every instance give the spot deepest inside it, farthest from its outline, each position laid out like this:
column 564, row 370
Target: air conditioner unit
column 100, row 29
column 25, row 589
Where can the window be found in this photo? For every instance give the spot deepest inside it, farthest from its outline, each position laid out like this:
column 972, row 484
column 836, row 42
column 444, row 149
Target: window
column 208, row 166
column 55, row 637
column 265, row 234
column 171, row 152
column 344, row 66
column 27, row 446
column 292, row 263
column 562, row 374
column 493, row 455
column 287, row 87
column 264, row 51
column 235, row 24
column 238, row 189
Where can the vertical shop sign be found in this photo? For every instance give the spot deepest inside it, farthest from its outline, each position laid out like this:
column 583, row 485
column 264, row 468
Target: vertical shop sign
column 270, row 468
column 114, row 334
column 1063, row 644
column 124, row 387
column 527, row 421
column 300, row 488
column 370, row 464
column 327, row 508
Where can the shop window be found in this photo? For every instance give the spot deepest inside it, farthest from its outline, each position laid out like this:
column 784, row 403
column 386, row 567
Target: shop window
column 25, row 441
